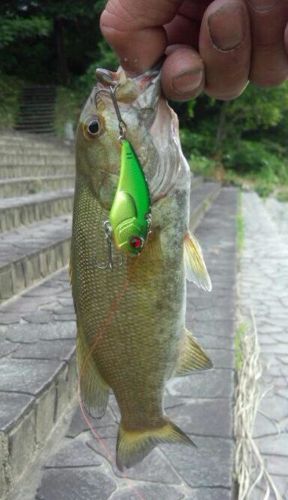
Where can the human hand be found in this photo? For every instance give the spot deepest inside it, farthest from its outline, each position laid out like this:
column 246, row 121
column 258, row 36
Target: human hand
column 215, row 46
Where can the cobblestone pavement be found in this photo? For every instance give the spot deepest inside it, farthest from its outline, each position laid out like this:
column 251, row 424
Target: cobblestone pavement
column 264, row 288
column 81, row 466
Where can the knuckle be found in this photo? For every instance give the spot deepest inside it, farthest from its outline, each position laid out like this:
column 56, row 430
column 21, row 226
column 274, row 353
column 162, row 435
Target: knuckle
column 227, row 94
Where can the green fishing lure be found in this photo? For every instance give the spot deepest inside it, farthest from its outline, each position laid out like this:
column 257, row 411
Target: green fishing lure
column 130, row 215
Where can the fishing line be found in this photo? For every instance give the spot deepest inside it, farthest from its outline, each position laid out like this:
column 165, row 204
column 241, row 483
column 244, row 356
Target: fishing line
column 105, row 448
column 103, row 330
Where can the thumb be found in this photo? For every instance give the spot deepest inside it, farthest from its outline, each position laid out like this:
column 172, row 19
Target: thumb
column 134, row 29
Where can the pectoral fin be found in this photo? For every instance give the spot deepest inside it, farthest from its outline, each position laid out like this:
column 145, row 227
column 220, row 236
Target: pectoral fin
column 195, row 267
column 133, row 446
column 191, row 357
column 93, row 389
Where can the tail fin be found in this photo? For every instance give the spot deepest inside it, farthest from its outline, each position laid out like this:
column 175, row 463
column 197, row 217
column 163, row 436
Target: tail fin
column 133, row 446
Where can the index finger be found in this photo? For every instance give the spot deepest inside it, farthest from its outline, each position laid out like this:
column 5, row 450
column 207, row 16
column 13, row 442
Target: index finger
column 135, row 30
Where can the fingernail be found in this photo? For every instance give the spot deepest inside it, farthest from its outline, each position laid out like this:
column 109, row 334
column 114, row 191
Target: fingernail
column 227, row 27
column 187, row 82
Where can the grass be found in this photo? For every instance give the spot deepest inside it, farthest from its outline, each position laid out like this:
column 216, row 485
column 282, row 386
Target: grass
column 240, row 332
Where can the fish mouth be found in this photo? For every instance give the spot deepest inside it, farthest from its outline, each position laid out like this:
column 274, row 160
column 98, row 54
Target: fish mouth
column 106, row 77
column 113, row 78
column 127, row 87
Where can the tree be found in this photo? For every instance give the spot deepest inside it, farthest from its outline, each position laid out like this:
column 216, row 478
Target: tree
column 71, row 28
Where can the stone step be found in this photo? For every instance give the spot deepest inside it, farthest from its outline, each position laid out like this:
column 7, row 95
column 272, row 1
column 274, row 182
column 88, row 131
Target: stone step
column 15, row 171
column 38, row 93
column 28, row 102
column 36, row 150
column 42, row 114
column 40, row 148
column 35, row 104
column 24, row 140
column 35, row 119
column 36, row 130
column 38, row 336
column 51, row 160
column 29, row 185
column 200, row 200
column 40, row 101
column 22, row 252
column 25, row 210
column 39, row 88
column 36, row 114
column 37, row 372
column 15, row 137
column 36, row 108
column 35, row 98
column 29, row 254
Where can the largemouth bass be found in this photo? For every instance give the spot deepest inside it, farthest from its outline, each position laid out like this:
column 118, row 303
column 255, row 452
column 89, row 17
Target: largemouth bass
column 131, row 335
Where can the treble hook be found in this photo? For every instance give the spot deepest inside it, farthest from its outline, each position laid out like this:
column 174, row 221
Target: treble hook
column 105, row 77
column 108, row 237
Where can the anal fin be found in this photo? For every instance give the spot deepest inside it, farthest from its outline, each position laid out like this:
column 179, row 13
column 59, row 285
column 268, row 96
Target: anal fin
column 195, row 267
column 93, row 389
column 191, row 357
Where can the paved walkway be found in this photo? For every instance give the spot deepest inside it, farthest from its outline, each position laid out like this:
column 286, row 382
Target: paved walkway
column 264, row 288
column 78, row 466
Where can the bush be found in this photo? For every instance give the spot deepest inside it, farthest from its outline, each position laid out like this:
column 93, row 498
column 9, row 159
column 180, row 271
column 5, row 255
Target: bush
column 254, row 157
column 196, row 143
column 202, row 165
column 106, row 59
column 10, row 89
column 68, row 106
column 246, row 156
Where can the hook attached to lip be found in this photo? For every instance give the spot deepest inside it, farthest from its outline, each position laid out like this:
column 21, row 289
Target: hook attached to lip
column 130, row 215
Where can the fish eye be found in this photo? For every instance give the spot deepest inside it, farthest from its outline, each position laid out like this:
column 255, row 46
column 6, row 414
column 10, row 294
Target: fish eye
column 93, row 127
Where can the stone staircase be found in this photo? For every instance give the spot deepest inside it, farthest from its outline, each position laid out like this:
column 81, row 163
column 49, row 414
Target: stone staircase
column 36, row 196
column 37, row 322
column 36, row 113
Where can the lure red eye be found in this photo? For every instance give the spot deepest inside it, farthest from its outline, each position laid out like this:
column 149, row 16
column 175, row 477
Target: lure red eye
column 136, row 242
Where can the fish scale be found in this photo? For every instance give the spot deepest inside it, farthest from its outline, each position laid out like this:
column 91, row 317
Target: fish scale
column 131, row 334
